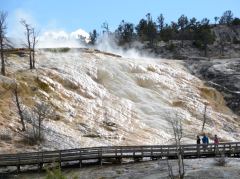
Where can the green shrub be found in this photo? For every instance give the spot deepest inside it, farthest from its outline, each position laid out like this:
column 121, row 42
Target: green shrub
column 171, row 47
column 55, row 173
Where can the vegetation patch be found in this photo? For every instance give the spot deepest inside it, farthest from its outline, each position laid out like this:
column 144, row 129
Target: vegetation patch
column 42, row 85
column 211, row 94
column 92, row 135
column 178, row 103
column 57, row 50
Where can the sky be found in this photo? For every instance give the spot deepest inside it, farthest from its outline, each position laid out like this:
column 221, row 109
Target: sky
column 71, row 15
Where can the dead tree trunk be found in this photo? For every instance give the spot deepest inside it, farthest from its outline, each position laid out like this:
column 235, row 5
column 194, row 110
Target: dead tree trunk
column 177, row 129
column 3, row 28
column 20, row 110
column 33, row 48
column 3, row 71
column 28, row 44
column 204, row 117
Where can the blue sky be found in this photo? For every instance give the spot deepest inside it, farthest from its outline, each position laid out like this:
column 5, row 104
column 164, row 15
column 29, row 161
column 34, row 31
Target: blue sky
column 90, row 14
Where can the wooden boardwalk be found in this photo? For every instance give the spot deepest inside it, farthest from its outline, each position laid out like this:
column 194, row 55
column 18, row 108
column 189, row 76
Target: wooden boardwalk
column 102, row 154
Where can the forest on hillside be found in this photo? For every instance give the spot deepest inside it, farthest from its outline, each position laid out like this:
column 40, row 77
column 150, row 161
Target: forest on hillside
column 151, row 33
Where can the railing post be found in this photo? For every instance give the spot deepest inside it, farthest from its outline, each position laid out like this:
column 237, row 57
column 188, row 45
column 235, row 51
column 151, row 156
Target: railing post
column 40, row 160
column 18, row 164
column 161, row 151
column 224, row 148
column 198, row 150
column 60, row 158
column 235, row 150
column 42, row 157
column 100, row 155
column 80, row 158
column 168, row 151
column 230, row 150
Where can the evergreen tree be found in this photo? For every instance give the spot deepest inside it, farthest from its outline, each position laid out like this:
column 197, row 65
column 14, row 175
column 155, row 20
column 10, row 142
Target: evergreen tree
column 204, row 36
column 125, row 32
column 226, row 18
column 93, row 37
column 160, row 20
column 141, row 30
column 182, row 23
column 236, row 21
column 216, row 20
column 167, row 33
column 147, row 30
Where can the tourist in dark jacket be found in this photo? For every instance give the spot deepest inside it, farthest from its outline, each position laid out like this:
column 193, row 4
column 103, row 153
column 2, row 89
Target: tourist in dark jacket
column 205, row 139
column 198, row 140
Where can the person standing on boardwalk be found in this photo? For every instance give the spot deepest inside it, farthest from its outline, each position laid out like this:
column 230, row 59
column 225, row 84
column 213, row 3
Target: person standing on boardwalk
column 216, row 140
column 198, row 140
column 205, row 141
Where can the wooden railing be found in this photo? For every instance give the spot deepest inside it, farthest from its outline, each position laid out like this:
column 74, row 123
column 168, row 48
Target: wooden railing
column 118, row 152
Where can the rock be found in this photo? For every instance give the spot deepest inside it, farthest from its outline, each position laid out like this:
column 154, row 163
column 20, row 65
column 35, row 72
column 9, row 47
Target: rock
column 223, row 75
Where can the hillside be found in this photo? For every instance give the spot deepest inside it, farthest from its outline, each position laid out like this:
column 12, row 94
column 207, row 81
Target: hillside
column 222, row 74
column 104, row 99
column 226, row 45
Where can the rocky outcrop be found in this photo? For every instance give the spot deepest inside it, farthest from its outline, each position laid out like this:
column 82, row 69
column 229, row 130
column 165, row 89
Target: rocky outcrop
column 222, row 74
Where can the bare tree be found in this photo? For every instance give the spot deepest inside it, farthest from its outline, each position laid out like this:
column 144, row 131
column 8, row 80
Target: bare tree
column 34, row 36
column 35, row 118
column 3, row 27
column 41, row 112
column 19, row 106
column 177, row 129
column 31, row 42
column 28, row 44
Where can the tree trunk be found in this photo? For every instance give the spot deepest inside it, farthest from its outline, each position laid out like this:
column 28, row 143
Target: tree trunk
column 204, row 117
column 33, row 51
column 30, row 59
column 33, row 59
column 2, row 58
column 3, row 64
column 20, row 111
column 29, row 48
